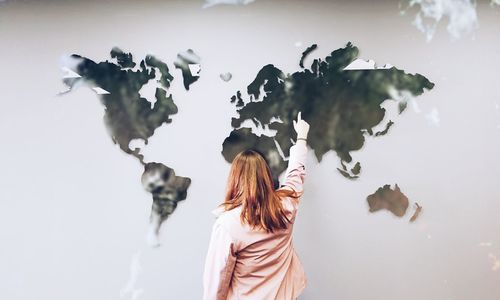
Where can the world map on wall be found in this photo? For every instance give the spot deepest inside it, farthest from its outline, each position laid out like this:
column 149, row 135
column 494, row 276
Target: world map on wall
column 341, row 104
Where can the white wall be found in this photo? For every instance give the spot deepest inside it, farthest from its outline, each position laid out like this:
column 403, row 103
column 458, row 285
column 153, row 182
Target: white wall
column 72, row 210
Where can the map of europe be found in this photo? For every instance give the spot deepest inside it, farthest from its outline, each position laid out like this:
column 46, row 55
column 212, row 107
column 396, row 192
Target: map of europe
column 342, row 106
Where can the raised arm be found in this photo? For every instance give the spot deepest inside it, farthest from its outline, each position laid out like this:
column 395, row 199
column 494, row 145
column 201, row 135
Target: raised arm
column 296, row 170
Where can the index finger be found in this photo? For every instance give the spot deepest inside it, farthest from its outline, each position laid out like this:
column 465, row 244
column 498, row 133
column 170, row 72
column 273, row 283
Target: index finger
column 299, row 116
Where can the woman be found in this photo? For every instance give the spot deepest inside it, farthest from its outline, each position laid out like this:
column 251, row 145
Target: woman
column 251, row 254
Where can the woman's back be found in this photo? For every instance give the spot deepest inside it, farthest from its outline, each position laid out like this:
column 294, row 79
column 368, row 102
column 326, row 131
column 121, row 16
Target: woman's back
column 247, row 263
column 266, row 265
column 251, row 253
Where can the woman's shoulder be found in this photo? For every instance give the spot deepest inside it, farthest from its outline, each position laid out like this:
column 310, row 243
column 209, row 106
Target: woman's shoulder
column 290, row 204
column 227, row 216
column 231, row 223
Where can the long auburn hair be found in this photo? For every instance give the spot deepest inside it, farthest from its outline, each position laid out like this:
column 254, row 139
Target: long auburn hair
column 250, row 185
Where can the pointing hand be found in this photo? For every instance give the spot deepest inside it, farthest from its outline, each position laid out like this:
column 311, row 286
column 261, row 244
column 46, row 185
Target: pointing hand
column 301, row 127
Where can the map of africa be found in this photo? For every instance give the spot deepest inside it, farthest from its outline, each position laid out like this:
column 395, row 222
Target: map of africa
column 341, row 105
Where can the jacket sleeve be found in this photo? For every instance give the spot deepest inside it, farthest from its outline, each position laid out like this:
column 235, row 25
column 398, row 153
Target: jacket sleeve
column 219, row 264
column 296, row 170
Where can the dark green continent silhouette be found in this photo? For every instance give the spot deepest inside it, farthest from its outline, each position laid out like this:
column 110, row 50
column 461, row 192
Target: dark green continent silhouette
column 182, row 62
column 128, row 116
column 341, row 106
column 386, row 198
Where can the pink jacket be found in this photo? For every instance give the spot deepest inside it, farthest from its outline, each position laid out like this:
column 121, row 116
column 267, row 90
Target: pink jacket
column 243, row 263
